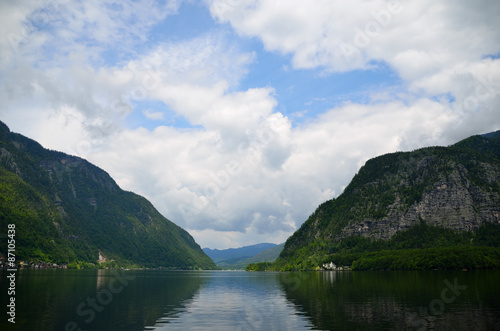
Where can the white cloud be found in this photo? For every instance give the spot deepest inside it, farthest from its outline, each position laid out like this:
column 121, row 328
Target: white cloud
column 431, row 45
column 52, row 62
column 243, row 173
column 69, row 26
column 252, row 191
column 411, row 35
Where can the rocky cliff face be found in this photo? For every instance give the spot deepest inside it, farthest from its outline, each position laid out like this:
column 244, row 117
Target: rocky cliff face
column 449, row 198
column 456, row 187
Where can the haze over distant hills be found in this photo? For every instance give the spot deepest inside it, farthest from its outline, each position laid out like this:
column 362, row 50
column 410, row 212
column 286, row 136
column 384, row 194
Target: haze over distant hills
column 66, row 210
column 239, row 258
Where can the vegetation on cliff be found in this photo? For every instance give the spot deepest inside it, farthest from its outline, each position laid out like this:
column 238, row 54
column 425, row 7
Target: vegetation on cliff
column 407, row 202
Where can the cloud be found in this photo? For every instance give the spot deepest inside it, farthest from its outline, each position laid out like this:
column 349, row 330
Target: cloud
column 187, row 75
column 50, row 30
column 446, row 50
column 436, row 48
column 413, row 36
column 74, row 76
column 207, row 188
column 52, row 65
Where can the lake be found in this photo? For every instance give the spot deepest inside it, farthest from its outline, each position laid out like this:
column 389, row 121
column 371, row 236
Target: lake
column 237, row 300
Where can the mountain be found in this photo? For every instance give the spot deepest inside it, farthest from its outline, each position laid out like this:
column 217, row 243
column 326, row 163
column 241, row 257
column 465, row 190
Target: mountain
column 66, row 210
column 268, row 255
column 231, row 256
column 492, row 135
column 428, row 198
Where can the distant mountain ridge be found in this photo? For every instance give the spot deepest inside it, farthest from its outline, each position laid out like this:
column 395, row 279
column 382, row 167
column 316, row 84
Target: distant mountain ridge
column 268, row 255
column 492, row 135
column 236, row 257
column 241, row 252
column 67, row 210
column 453, row 191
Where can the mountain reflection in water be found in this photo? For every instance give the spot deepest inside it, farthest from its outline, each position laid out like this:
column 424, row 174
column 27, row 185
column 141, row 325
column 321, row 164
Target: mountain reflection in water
column 238, row 300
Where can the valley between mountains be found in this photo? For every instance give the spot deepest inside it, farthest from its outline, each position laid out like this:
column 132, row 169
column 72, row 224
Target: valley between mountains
column 433, row 208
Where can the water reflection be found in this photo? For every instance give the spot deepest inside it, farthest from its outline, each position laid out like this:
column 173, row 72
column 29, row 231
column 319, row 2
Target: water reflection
column 95, row 299
column 220, row 300
column 397, row 300
column 236, row 301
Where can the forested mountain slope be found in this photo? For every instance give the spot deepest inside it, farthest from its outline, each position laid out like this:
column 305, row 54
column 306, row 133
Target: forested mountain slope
column 66, row 210
column 453, row 192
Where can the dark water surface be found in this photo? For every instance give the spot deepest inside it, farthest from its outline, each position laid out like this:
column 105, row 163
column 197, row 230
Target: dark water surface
column 237, row 300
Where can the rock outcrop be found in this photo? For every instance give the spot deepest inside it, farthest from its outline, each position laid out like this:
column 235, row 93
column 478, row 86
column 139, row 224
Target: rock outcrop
column 449, row 199
column 455, row 187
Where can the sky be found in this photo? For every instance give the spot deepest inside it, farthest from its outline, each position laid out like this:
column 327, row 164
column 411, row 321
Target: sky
column 237, row 118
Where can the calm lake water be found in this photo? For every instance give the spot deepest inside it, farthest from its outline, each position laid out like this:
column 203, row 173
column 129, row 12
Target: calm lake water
column 237, row 300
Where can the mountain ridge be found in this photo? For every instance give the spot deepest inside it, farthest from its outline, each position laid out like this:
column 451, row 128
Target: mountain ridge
column 68, row 210
column 239, row 258
column 239, row 253
column 455, row 187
